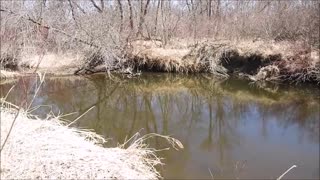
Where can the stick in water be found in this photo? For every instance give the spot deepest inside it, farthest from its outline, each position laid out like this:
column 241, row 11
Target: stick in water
column 80, row 116
column 210, row 173
column 287, row 171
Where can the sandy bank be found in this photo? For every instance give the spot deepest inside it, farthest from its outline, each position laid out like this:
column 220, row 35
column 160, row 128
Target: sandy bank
column 46, row 149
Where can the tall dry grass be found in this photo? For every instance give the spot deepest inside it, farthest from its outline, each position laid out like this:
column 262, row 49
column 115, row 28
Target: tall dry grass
column 46, row 149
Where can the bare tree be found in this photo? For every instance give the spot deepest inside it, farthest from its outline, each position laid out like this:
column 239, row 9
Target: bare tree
column 209, row 8
column 218, row 8
column 130, row 15
column 102, row 4
column 283, row 20
column 143, row 13
column 156, row 20
column 121, row 14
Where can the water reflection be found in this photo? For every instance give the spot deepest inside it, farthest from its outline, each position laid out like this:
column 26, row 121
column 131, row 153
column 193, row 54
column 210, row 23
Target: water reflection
column 235, row 129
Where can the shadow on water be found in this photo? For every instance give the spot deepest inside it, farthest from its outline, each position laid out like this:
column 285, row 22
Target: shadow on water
column 234, row 128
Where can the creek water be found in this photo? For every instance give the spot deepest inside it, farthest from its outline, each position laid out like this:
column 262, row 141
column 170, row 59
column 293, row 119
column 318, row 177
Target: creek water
column 229, row 128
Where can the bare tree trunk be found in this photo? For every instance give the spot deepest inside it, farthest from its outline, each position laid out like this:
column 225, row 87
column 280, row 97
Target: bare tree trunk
column 156, row 21
column 164, row 36
column 41, row 6
column 143, row 13
column 45, row 3
column 194, row 17
column 188, row 5
column 102, row 4
column 72, row 11
column 209, row 8
column 218, row 8
column 121, row 14
column 201, row 8
column 218, row 19
column 209, row 13
column 131, row 15
column 139, row 32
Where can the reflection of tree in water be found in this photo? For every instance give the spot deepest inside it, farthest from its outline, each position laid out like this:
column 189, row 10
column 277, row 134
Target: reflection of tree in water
column 166, row 110
column 130, row 103
column 22, row 92
column 221, row 129
column 298, row 112
column 122, row 109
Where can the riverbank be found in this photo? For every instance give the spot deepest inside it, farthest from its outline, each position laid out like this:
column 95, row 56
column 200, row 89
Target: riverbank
column 48, row 149
column 256, row 60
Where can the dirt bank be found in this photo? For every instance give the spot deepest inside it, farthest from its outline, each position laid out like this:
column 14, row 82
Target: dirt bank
column 255, row 60
column 47, row 149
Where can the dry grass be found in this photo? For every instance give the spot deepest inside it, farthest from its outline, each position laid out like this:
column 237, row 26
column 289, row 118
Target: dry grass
column 258, row 60
column 202, row 57
column 8, row 74
column 47, row 149
column 52, row 63
column 50, row 60
column 168, row 60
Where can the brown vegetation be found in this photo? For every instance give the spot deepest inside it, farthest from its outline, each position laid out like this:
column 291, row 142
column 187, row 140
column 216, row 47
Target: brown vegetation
column 49, row 149
column 64, row 153
column 258, row 60
column 100, row 33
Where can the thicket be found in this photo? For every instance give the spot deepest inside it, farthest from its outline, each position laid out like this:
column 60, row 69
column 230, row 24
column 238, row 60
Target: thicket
column 106, row 26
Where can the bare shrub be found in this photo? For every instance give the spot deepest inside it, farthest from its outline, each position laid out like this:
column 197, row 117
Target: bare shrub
column 50, row 26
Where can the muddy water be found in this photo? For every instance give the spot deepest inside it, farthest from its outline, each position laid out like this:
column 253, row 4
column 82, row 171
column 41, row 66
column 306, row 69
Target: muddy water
column 230, row 129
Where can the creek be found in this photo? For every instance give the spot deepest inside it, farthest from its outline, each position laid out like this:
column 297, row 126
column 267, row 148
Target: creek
column 229, row 128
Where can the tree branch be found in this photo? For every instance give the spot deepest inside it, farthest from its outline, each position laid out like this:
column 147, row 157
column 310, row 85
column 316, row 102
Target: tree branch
column 96, row 6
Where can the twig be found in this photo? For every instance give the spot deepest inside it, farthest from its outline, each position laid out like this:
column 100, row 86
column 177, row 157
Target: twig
column 210, row 173
column 14, row 120
column 37, row 90
column 286, row 172
column 80, row 116
column 16, row 116
column 4, row 99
